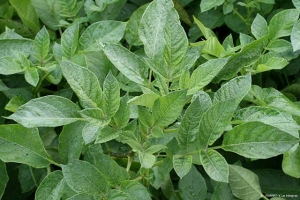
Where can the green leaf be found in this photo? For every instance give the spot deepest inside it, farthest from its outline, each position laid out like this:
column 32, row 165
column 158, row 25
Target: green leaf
column 176, row 41
column 132, row 190
column 270, row 116
column 101, row 32
column 147, row 159
column 11, row 46
column 9, row 65
column 112, row 172
column 52, row 187
column 82, row 177
column 258, row 140
column 207, row 33
column 144, row 100
column 295, row 36
column 291, row 162
column 90, row 132
column 23, row 145
column 204, row 74
column 281, row 24
column 189, row 126
column 270, row 62
column 71, row 142
column 32, row 76
column 69, row 41
column 247, row 56
column 127, row 63
column 48, row 111
column 122, row 116
column 30, row 178
column 259, row 27
column 215, row 165
column 296, row 3
column 151, row 29
column 182, row 164
column 94, row 116
column 27, row 14
column 84, row 83
column 244, row 183
column 111, row 95
column 206, row 5
column 166, row 109
column 41, row 44
column 192, row 186
column 222, row 191
column 106, row 134
column 3, row 177
column 48, row 11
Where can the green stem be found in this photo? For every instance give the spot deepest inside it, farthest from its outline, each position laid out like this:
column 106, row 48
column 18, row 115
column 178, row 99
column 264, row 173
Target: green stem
column 138, row 178
column 54, row 163
column 173, row 130
column 129, row 162
column 32, row 174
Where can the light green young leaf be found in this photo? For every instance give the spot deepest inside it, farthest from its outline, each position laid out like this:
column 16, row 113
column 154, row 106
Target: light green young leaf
column 71, row 142
column 259, row 27
column 48, row 11
column 291, row 162
column 106, row 134
column 182, row 164
column 27, row 14
column 127, row 63
column 258, row 140
column 109, row 168
column 48, row 111
column 3, row 178
column 94, row 116
column 52, row 187
column 244, row 183
column 122, row 116
column 206, row 5
column 204, row 74
column 207, row 33
column 189, row 126
column 281, row 24
column 192, row 186
column 215, row 165
column 151, row 29
column 30, row 177
column 84, row 83
column 166, row 109
column 270, row 116
column 176, row 41
column 23, row 145
column 9, row 65
column 41, row 44
column 130, row 189
column 144, row 116
column 295, row 36
column 144, row 100
column 11, row 46
column 69, row 41
column 212, row 46
column 101, row 32
column 32, row 76
column 270, row 62
column 296, row 3
column 111, row 95
column 90, row 132
column 82, row 177
column 147, row 160
column 222, row 191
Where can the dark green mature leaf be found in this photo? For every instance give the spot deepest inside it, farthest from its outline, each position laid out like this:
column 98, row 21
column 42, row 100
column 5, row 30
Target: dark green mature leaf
column 112, row 172
column 23, row 145
column 84, row 83
column 190, row 123
column 259, row 27
column 52, row 187
column 69, row 41
column 206, row 5
column 244, row 183
column 48, row 111
column 166, row 109
column 215, row 165
column 101, row 32
column 111, row 95
column 41, row 44
column 48, row 11
column 192, row 186
column 127, row 63
column 291, row 162
column 122, row 116
column 295, row 36
column 82, row 177
column 94, row 116
column 151, row 29
column 182, row 164
column 27, row 14
column 132, row 190
column 106, row 134
column 258, row 140
column 281, row 24
column 30, row 178
column 71, row 142
column 222, row 191
column 3, row 178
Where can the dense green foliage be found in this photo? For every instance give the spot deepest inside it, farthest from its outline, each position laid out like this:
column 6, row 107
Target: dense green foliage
column 140, row 99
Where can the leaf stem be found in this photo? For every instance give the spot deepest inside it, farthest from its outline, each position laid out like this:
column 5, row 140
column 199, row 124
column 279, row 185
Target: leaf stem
column 129, row 162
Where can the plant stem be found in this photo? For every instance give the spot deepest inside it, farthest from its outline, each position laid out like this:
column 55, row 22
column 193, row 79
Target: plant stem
column 129, row 162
